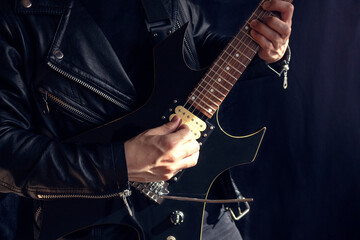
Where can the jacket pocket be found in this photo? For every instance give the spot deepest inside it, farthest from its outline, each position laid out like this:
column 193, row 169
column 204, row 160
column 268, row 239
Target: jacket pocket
column 70, row 108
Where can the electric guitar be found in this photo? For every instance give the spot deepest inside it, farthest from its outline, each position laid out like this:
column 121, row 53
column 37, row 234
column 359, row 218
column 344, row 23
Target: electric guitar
column 172, row 210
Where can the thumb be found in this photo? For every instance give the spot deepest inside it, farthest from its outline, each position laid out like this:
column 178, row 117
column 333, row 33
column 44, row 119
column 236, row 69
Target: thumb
column 167, row 128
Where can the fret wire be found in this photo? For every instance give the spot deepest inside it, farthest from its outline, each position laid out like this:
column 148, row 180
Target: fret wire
column 219, row 90
column 221, row 93
column 223, row 87
column 201, row 100
column 237, row 52
column 198, row 92
column 244, row 44
column 218, row 75
column 248, row 35
column 231, row 51
column 245, row 50
column 223, row 79
column 206, row 110
column 237, row 66
column 215, row 89
column 235, row 78
column 211, row 100
column 230, row 75
column 234, row 68
column 237, row 60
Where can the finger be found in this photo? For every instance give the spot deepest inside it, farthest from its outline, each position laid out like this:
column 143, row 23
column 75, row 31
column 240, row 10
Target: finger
column 269, row 35
column 167, row 171
column 166, row 128
column 279, row 26
column 286, row 9
column 185, row 150
column 189, row 161
column 263, row 42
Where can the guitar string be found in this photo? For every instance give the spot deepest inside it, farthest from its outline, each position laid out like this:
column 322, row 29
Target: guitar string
column 236, row 48
column 233, row 49
column 241, row 42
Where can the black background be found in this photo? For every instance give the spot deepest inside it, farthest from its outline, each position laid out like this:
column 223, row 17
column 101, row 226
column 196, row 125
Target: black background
column 306, row 179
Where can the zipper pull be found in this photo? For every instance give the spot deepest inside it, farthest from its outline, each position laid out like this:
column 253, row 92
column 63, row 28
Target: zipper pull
column 286, row 69
column 47, row 109
column 124, row 195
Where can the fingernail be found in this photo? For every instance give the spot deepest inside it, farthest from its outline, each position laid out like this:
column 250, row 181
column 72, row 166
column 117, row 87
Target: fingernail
column 266, row 5
column 254, row 23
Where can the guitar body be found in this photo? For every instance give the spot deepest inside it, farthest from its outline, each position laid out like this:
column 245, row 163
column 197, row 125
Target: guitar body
column 174, row 80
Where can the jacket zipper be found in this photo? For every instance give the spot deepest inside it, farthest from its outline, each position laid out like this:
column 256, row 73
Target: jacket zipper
column 48, row 96
column 124, row 195
column 88, row 86
column 37, row 214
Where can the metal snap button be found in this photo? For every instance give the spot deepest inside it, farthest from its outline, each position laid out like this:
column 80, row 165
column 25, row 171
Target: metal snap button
column 26, row 3
column 58, row 54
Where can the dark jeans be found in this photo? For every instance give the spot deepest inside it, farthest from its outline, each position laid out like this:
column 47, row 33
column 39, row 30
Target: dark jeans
column 218, row 225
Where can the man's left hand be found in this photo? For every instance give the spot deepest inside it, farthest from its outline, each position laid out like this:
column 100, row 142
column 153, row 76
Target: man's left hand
column 272, row 34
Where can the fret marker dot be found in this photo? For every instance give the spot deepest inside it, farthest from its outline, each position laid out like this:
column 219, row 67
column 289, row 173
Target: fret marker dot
column 219, row 80
column 210, row 110
column 237, row 55
column 247, row 28
column 193, row 98
column 211, row 90
column 227, row 68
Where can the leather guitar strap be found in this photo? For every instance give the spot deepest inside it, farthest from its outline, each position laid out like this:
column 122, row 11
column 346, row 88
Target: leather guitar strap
column 157, row 19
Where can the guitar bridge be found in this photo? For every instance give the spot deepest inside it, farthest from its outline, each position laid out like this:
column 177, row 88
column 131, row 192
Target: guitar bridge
column 152, row 190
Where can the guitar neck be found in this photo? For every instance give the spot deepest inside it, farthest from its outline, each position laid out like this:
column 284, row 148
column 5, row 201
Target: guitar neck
column 227, row 68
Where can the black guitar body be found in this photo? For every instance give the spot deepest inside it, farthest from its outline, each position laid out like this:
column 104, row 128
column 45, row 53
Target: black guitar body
column 174, row 80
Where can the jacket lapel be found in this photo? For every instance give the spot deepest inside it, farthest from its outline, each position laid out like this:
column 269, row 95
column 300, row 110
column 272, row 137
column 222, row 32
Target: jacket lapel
column 80, row 49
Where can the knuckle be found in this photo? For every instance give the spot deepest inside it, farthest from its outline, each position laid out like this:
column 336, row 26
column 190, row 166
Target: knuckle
column 290, row 8
column 171, row 158
column 167, row 143
column 167, row 177
column 287, row 31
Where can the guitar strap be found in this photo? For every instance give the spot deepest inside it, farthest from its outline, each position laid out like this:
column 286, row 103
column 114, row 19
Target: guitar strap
column 157, row 19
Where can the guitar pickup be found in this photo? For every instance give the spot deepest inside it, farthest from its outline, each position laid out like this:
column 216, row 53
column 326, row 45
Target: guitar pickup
column 201, row 129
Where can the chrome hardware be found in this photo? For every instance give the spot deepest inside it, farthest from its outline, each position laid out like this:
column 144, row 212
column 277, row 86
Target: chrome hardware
column 286, row 69
column 163, row 117
column 124, row 195
column 58, row 54
column 152, row 190
column 241, row 213
column 177, row 217
column 170, row 238
column 26, row 3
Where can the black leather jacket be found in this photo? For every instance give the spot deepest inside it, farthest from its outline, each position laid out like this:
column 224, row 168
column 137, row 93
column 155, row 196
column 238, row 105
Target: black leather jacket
column 55, row 84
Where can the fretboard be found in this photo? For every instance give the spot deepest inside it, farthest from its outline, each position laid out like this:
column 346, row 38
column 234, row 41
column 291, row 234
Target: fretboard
column 227, row 68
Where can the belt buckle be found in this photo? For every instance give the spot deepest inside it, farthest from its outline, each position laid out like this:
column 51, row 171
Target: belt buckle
column 241, row 212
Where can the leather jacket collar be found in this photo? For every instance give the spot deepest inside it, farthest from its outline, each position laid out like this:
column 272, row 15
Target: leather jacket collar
column 42, row 6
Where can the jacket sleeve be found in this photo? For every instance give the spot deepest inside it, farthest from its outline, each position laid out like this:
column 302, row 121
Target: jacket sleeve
column 32, row 164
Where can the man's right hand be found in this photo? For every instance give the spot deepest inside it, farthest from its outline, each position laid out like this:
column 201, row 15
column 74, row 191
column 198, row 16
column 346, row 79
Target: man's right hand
column 160, row 153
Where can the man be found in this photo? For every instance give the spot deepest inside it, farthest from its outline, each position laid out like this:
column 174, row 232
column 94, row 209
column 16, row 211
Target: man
column 69, row 66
